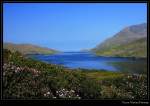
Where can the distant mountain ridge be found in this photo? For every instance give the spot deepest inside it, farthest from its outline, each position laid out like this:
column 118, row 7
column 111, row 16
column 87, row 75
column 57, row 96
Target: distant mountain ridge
column 28, row 48
column 130, row 42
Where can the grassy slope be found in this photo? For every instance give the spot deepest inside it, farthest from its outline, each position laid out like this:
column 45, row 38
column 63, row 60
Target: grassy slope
column 28, row 49
column 137, row 48
column 101, row 75
column 129, row 42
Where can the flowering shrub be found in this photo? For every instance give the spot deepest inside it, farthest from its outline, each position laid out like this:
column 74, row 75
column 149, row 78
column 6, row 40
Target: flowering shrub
column 127, row 87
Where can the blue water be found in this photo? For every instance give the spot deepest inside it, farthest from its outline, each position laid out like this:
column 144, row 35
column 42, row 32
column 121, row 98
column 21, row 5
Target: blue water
column 88, row 60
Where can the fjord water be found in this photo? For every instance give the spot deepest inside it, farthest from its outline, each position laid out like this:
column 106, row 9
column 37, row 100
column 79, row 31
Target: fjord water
column 87, row 60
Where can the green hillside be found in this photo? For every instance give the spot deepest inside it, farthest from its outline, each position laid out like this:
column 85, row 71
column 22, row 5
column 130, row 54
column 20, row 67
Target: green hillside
column 28, row 48
column 136, row 48
column 129, row 42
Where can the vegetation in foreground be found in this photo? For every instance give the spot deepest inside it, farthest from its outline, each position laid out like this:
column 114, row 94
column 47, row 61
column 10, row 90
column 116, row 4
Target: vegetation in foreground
column 25, row 78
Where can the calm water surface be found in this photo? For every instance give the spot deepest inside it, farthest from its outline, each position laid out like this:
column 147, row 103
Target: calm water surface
column 88, row 60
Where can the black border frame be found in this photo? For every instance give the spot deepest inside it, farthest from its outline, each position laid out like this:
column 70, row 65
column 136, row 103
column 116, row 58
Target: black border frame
column 85, row 101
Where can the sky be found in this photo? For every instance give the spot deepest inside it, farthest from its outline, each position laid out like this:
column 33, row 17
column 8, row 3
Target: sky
column 68, row 26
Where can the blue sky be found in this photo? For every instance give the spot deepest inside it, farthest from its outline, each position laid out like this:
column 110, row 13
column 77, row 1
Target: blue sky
column 68, row 26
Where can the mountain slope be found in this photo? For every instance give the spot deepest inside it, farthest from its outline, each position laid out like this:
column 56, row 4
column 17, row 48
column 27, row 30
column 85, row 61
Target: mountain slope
column 130, row 42
column 28, row 48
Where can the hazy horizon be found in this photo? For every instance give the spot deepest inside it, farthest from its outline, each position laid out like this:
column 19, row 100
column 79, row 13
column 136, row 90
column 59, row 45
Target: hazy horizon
column 68, row 26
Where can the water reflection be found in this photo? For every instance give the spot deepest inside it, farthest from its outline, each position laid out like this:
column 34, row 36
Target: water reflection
column 131, row 66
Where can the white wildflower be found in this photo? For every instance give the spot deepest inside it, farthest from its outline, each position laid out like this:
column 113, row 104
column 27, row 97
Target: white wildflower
column 48, row 93
column 72, row 91
column 44, row 94
column 16, row 71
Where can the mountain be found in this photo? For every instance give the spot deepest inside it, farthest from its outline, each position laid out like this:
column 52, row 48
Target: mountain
column 85, row 50
column 28, row 48
column 129, row 42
